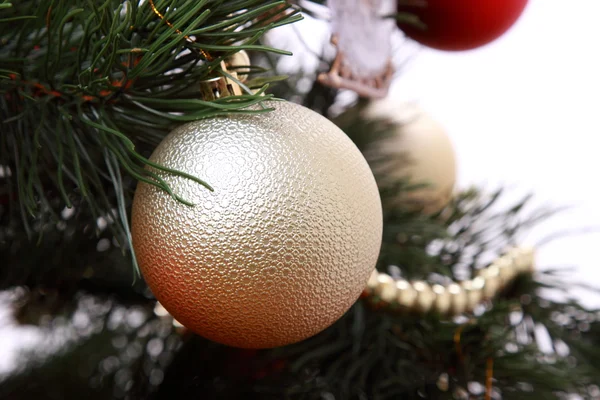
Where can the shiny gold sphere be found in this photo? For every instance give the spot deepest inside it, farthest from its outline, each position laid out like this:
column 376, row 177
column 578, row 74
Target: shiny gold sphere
column 281, row 248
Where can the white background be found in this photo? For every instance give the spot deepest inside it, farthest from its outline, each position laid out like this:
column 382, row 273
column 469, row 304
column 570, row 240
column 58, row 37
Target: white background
column 524, row 111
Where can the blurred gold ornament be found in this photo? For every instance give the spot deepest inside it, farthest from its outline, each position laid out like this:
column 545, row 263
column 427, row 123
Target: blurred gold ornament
column 281, row 248
column 455, row 298
column 418, row 150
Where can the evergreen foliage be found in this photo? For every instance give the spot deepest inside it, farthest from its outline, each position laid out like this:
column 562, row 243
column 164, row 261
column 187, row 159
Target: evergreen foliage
column 87, row 90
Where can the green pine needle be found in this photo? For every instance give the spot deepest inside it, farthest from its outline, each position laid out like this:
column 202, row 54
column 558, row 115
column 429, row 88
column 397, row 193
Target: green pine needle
column 86, row 84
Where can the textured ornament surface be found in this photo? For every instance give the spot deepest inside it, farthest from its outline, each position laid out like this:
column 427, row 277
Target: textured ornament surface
column 283, row 246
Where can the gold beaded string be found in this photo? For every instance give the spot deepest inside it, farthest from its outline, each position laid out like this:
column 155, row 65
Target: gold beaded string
column 487, row 284
column 207, row 56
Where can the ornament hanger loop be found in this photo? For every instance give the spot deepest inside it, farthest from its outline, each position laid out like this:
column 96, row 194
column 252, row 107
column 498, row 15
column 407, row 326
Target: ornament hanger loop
column 220, row 86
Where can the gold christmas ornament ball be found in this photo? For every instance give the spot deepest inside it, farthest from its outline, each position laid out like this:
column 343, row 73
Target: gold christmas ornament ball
column 419, row 150
column 281, row 248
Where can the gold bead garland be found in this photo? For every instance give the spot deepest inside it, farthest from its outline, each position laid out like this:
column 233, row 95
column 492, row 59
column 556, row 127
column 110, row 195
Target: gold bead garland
column 455, row 298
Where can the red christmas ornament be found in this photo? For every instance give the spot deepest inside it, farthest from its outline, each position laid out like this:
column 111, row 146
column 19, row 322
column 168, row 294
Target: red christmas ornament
column 460, row 24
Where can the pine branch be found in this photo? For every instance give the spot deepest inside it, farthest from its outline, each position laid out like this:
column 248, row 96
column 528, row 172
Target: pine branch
column 86, row 80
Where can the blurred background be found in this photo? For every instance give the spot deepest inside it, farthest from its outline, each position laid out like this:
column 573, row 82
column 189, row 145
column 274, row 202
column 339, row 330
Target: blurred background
column 522, row 112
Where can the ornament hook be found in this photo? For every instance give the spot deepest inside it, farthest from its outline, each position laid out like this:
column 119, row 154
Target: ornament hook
column 217, row 87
